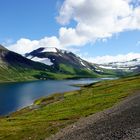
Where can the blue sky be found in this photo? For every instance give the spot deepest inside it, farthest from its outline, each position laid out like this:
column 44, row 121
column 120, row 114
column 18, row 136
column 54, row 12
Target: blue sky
column 36, row 19
column 122, row 43
column 32, row 19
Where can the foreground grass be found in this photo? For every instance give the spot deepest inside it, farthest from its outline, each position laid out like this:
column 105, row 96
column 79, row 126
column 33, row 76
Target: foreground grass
column 49, row 115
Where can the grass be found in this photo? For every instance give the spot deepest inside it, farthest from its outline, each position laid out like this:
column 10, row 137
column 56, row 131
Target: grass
column 11, row 74
column 18, row 74
column 66, row 68
column 48, row 115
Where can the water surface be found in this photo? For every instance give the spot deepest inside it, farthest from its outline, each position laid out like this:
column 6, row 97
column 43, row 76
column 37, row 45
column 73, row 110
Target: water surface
column 14, row 96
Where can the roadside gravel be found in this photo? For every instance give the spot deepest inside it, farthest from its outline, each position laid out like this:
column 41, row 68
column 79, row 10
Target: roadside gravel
column 121, row 122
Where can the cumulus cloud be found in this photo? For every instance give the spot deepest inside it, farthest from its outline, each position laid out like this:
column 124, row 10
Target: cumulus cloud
column 69, row 37
column 99, row 19
column 109, row 58
column 24, row 45
column 95, row 19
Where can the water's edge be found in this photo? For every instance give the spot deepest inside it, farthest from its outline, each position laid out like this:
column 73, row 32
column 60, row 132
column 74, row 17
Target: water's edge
column 24, row 102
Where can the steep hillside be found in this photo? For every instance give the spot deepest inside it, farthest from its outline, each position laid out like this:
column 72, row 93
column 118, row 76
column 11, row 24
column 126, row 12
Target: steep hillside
column 14, row 67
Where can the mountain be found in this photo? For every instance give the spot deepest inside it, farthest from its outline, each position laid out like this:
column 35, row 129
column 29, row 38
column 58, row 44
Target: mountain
column 49, row 63
column 54, row 65
column 14, row 67
column 62, row 61
column 13, row 59
column 54, row 58
column 132, row 66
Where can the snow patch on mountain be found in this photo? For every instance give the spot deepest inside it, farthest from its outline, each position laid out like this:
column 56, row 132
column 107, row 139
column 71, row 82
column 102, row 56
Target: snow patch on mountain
column 134, row 68
column 98, row 70
column 46, row 61
column 126, row 65
column 131, row 63
column 107, row 67
column 50, row 49
column 83, row 64
column 29, row 57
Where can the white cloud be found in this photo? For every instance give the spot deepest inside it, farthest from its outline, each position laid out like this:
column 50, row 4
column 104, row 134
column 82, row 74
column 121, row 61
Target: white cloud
column 69, row 37
column 98, row 19
column 24, row 45
column 109, row 58
column 95, row 19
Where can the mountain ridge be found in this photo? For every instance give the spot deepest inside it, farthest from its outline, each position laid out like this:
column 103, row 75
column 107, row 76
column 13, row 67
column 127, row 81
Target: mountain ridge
column 131, row 65
column 60, row 59
column 50, row 63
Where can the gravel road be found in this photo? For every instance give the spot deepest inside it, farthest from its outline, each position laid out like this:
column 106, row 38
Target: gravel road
column 121, row 122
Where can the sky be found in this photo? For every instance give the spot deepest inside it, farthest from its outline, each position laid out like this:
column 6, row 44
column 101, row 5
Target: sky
column 99, row 31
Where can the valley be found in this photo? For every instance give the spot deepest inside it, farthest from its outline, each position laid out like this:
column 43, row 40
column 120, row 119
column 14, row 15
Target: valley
column 48, row 115
column 70, row 70
column 51, row 64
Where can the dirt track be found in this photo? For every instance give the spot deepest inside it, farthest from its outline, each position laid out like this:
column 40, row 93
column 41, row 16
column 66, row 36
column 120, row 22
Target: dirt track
column 121, row 122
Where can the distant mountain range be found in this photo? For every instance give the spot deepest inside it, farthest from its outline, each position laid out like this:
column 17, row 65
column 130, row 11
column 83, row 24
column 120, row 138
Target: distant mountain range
column 52, row 63
column 61, row 60
column 129, row 66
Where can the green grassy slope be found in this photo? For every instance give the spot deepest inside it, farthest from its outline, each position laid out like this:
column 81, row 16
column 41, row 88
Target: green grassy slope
column 11, row 74
column 48, row 115
column 17, row 73
column 84, row 72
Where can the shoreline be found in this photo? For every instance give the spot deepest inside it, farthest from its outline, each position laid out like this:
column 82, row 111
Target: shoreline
column 72, row 78
column 32, row 105
column 59, row 111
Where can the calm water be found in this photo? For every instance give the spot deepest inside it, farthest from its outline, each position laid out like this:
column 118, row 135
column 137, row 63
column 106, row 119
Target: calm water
column 15, row 96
